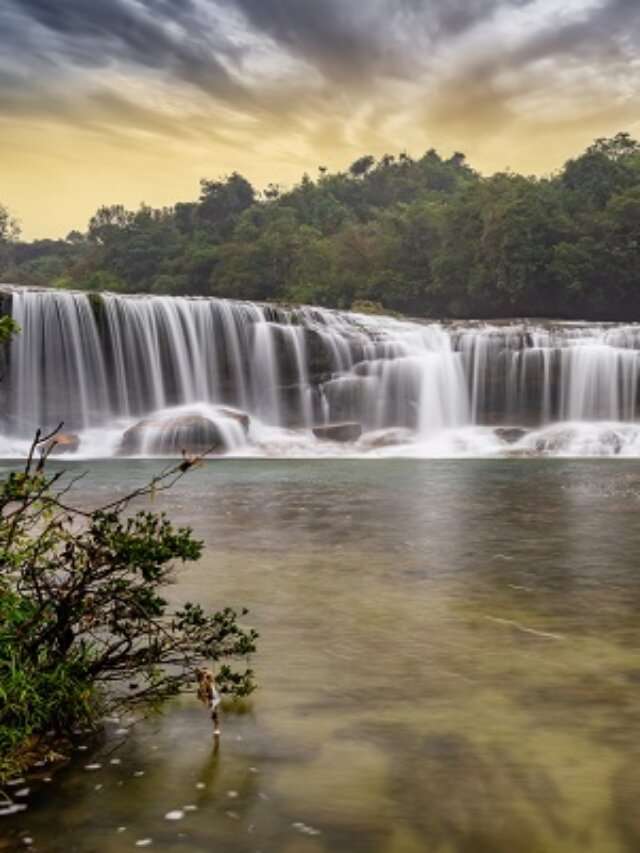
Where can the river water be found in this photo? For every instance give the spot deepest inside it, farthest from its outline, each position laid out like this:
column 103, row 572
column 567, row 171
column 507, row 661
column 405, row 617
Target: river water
column 449, row 661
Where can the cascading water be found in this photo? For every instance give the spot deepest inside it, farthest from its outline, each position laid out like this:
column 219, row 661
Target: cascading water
column 257, row 379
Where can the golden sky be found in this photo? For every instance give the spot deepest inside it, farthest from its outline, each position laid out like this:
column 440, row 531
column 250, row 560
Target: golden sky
column 124, row 101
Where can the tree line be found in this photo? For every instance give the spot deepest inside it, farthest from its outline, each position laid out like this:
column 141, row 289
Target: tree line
column 425, row 237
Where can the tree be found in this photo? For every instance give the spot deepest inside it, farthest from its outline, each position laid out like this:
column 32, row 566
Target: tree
column 84, row 626
column 361, row 166
column 9, row 227
column 619, row 146
column 107, row 221
column 221, row 202
column 8, row 328
column 427, row 236
column 9, row 233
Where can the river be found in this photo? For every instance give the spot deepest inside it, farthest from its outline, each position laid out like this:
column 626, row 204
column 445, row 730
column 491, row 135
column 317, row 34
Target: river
column 449, row 661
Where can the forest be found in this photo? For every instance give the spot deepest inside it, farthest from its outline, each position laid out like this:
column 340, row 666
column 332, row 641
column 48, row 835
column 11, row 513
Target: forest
column 426, row 237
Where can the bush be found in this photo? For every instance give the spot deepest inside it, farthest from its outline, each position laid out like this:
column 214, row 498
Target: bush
column 84, row 627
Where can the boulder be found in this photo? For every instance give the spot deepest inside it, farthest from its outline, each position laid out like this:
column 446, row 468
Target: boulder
column 342, row 433
column 387, row 438
column 133, row 439
column 510, row 435
column 63, row 442
column 612, row 441
column 557, row 441
column 193, row 434
column 320, row 362
column 236, row 415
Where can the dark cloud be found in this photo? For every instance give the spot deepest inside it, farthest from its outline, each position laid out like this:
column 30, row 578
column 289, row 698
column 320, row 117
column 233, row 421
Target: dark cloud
column 169, row 37
column 344, row 41
column 341, row 39
column 452, row 58
column 352, row 40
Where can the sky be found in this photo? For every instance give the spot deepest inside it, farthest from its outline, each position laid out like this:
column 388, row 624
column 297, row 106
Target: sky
column 129, row 101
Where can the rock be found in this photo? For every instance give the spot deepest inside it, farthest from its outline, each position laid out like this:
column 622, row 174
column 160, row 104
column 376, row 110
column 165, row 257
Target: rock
column 192, row 433
column 236, row 415
column 386, row 438
column 612, row 441
column 510, row 435
column 320, row 360
column 557, row 441
column 133, row 439
column 63, row 442
column 342, row 433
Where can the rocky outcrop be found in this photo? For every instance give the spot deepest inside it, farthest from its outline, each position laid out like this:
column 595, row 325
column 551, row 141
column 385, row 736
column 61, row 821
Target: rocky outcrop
column 386, row 438
column 64, row 442
column 342, row 433
column 192, row 434
column 612, row 441
column 236, row 415
column 510, row 435
column 555, row 442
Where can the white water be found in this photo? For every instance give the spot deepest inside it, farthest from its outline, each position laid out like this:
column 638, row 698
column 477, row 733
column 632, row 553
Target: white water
column 417, row 389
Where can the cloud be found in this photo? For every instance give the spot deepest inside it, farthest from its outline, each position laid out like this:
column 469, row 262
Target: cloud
column 174, row 39
column 279, row 86
column 231, row 49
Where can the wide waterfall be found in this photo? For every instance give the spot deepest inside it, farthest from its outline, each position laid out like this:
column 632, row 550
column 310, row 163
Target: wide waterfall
column 147, row 374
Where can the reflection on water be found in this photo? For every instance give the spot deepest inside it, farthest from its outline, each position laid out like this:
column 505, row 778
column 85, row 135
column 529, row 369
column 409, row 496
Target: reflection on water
column 448, row 662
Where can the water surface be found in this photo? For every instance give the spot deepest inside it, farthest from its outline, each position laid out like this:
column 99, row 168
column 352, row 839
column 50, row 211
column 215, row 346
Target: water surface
column 449, row 661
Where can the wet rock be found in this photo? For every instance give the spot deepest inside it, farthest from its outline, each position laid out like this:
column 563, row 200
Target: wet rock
column 320, row 361
column 133, row 439
column 342, row 433
column 189, row 433
column 612, row 441
column 510, row 435
column 347, row 397
column 63, row 442
column 386, row 438
column 557, row 442
column 236, row 415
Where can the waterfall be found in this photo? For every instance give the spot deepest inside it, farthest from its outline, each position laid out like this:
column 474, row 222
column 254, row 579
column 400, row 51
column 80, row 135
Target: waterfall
column 105, row 361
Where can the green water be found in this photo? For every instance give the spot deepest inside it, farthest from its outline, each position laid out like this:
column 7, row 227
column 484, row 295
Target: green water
column 449, row 661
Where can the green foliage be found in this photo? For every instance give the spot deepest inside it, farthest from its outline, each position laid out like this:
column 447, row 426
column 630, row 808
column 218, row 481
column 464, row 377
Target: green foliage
column 427, row 236
column 8, row 328
column 9, row 227
column 84, row 624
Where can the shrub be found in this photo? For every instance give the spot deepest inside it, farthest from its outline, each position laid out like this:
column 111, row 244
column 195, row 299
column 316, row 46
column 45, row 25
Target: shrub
column 84, row 626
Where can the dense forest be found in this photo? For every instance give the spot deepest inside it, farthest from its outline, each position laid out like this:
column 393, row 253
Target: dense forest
column 424, row 237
